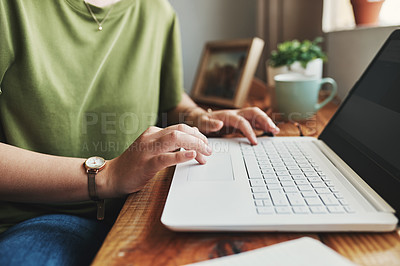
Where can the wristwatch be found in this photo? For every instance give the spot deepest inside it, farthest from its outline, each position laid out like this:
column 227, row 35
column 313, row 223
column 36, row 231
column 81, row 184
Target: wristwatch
column 93, row 165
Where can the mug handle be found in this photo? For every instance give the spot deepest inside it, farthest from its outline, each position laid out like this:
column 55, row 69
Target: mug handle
column 330, row 97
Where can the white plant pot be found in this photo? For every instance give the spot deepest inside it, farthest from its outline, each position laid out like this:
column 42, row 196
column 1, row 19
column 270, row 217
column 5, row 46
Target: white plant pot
column 314, row 69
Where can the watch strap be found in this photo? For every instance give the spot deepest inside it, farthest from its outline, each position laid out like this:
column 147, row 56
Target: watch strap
column 93, row 194
column 100, row 209
column 92, row 185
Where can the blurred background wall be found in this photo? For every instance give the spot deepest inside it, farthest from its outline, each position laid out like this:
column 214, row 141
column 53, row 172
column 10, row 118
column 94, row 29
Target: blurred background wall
column 209, row 20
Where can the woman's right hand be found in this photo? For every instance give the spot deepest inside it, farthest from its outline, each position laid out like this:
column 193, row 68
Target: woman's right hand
column 153, row 151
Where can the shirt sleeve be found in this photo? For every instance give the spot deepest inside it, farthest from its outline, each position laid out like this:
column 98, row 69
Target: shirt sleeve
column 171, row 87
column 6, row 47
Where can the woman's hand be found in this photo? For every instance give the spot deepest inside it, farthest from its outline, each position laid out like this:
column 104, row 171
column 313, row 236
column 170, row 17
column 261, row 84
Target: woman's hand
column 246, row 120
column 153, row 151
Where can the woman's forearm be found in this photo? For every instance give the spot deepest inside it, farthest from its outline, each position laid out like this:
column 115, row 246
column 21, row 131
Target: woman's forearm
column 27, row 176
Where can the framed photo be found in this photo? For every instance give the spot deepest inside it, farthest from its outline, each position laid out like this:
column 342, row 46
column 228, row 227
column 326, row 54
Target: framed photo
column 225, row 72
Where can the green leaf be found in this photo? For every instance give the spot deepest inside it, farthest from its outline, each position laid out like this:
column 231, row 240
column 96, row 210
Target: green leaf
column 289, row 52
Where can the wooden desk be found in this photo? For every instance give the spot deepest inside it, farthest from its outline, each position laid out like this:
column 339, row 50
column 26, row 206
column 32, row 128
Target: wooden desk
column 139, row 238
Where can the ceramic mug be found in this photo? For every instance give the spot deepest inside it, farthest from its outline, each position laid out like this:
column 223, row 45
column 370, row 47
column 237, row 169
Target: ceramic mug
column 297, row 95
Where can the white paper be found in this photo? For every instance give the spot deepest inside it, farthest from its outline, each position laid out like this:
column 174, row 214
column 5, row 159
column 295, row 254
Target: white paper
column 303, row 251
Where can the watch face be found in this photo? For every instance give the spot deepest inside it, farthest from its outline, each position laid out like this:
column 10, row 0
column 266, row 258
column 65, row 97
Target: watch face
column 95, row 162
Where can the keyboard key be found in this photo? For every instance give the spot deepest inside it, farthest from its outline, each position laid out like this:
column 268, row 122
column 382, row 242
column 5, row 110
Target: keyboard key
column 283, row 210
column 295, row 199
column 274, row 186
column 278, row 198
column 305, row 188
column 318, row 209
column 329, row 183
column 343, row 202
column 308, row 194
column 265, row 167
column 252, row 167
column 272, row 181
column 259, row 189
column 300, row 210
column 257, row 183
column 270, row 176
column 322, row 191
column 312, row 174
column 265, row 210
column 295, row 172
column 261, row 195
column 267, row 171
column 290, row 189
column 287, row 183
column 301, row 182
column 329, row 200
column 285, row 178
column 277, row 165
column 318, row 185
column 258, row 203
column 313, row 201
column 267, row 202
column 336, row 209
column 299, row 177
column 282, row 173
column 314, row 179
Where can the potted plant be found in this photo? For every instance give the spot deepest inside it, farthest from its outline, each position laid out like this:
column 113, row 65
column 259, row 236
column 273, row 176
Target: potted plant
column 304, row 57
column 366, row 12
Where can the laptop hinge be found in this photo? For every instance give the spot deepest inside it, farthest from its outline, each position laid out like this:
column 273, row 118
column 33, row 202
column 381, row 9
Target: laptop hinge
column 377, row 201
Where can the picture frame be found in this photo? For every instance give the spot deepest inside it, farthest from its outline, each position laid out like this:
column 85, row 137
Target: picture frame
column 225, row 72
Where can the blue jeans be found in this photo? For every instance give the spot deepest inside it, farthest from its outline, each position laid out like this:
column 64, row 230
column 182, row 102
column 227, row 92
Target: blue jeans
column 55, row 239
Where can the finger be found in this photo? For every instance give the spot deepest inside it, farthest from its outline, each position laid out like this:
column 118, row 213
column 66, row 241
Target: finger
column 183, row 128
column 243, row 125
column 164, row 160
column 178, row 139
column 208, row 124
column 201, row 158
column 259, row 119
column 153, row 129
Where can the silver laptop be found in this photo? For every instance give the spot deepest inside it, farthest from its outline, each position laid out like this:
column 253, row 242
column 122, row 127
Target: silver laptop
column 346, row 180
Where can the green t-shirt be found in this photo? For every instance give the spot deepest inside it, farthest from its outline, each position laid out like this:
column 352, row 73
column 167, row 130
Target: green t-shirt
column 68, row 89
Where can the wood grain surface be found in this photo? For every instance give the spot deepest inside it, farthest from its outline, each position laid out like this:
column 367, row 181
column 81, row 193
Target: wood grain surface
column 139, row 238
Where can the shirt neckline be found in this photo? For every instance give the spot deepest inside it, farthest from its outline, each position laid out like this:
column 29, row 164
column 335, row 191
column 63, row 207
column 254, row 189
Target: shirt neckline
column 118, row 7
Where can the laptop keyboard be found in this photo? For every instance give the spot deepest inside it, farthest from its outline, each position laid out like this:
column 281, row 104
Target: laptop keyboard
column 286, row 180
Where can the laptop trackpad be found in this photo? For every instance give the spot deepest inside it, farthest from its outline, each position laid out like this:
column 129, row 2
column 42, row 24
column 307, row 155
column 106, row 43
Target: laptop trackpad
column 217, row 168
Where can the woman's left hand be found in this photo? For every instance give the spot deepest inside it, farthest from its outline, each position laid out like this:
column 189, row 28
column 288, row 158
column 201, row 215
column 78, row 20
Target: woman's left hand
column 246, row 120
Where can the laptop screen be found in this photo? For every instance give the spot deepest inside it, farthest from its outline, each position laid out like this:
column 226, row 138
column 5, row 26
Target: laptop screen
column 365, row 131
